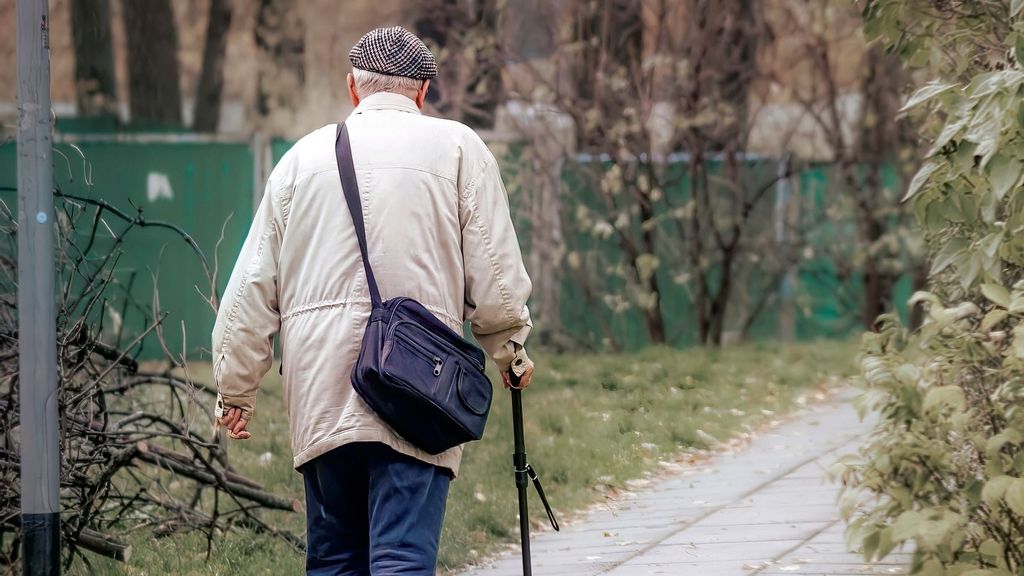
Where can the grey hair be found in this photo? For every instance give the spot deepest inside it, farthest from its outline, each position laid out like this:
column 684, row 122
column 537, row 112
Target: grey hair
column 371, row 83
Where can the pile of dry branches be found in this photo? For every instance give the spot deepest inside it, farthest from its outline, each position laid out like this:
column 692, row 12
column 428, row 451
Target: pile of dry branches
column 138, row 448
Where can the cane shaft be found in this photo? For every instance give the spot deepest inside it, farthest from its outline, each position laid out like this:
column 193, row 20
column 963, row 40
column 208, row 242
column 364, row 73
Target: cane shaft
column 524, row 529
column 517, row 424
column 522, row 480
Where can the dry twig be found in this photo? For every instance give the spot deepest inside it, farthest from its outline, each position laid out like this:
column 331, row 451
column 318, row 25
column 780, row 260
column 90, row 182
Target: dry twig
column 129, row 458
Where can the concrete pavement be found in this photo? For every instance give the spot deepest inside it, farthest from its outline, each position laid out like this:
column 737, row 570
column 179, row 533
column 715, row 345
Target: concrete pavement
column 765, row 510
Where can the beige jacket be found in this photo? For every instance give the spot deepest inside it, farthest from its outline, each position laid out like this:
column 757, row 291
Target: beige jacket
column 438, row 230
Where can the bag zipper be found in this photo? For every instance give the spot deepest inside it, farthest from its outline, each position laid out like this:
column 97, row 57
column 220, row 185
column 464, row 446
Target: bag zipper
column 423, row 352
column 471, row 360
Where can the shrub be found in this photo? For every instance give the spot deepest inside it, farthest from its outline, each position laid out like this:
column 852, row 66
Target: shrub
column 944, row 469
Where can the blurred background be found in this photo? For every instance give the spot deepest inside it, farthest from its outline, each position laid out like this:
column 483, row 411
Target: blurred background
column 715, row 199
column 681, row 171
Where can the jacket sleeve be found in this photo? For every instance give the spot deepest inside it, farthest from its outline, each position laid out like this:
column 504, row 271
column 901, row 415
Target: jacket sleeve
column 248, row 316
column 497, row 285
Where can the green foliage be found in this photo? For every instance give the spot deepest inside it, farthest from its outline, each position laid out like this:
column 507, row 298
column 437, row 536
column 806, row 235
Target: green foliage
column 953, row 37
column 944, row 469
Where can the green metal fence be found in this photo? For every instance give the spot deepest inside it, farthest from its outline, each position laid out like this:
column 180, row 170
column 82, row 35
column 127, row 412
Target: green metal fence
column 824, row 302
column 203, row 184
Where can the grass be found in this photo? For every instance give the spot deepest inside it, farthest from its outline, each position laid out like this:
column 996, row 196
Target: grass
column 593, row 423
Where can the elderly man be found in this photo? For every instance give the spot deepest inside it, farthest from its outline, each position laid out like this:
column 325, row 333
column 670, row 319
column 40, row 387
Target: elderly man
column 438, row 230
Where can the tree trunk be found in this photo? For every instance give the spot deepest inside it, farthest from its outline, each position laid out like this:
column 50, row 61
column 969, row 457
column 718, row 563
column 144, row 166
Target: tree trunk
column 211, row 79
column 655, row 321
column 695, row 247
column 918, row 282
column 281, row 73
column 655, row 324
column 720, row 302
column 95, row 83
column 743, row 34
column 875, row 296
column 876, row 281
column 880, row 140
column 547, row 245
column 153, row 76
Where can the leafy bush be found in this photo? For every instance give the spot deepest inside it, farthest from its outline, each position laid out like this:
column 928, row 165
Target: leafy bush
column 944, row 468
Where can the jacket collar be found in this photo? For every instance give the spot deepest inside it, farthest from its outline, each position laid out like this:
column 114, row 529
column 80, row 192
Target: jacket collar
column 386, row 101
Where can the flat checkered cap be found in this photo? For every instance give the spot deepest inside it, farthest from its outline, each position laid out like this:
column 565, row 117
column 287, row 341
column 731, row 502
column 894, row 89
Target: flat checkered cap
column 394, row 51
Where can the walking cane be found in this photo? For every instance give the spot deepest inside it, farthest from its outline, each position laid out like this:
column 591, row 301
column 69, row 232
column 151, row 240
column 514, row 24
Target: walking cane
column 522, row 471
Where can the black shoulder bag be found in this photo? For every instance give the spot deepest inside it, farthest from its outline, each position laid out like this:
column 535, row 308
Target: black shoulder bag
column 421, row 377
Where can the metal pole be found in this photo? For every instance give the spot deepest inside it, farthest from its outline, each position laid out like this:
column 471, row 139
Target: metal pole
column 519, row 462
column 37, row 324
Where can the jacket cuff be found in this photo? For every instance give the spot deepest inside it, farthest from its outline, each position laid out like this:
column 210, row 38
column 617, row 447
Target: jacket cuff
column 512, row 354
column 223, row 404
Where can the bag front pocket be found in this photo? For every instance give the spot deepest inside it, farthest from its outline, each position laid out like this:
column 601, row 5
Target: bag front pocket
column 474, row 391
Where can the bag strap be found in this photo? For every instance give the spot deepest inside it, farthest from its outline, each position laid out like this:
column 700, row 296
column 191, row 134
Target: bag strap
column 349, row 186
column 543, row 498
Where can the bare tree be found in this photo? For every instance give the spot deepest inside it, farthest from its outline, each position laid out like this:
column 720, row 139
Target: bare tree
column 662, row 96
column 866, row 147
column 613, row 90
column 671, row 212
column 720, row 50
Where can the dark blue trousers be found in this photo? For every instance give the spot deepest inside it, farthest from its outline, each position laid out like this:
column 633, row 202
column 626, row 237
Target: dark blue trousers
column 372, row 511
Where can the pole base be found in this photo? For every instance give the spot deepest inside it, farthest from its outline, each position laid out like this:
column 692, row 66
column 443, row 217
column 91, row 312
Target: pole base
column 41, row 543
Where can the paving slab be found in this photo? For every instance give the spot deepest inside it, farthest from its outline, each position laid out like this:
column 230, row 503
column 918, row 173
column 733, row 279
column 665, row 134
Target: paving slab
column 765, row 510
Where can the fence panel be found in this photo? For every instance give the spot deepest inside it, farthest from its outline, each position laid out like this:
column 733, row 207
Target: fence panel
column 200, row 183
column 197, row 185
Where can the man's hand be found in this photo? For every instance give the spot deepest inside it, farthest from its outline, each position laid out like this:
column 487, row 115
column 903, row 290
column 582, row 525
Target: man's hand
column 235, row 424
column 524, row 380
